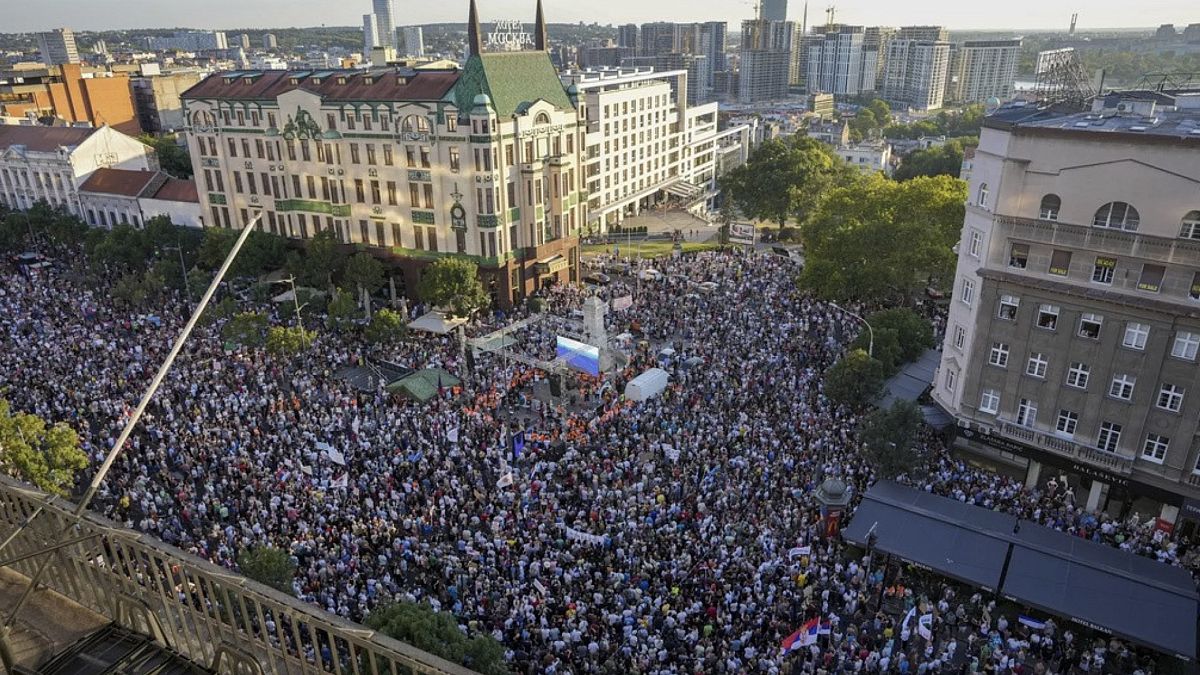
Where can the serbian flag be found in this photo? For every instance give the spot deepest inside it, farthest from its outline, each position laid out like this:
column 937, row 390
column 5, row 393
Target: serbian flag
column 805, row 635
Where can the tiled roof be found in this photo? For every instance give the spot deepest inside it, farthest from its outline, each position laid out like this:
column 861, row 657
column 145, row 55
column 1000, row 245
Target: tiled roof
column 513, row 80
column 42, row 139
column 124, row 182
column 176, row 190
column 389, row 84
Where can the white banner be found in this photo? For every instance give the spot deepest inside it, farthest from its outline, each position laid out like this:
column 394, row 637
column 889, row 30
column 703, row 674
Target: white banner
column 925, row 626
column 799, row 551
column 585, row 537
column 623, row 302
column 336, row 456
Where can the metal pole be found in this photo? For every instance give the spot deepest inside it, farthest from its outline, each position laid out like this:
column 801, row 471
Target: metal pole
column 119, row 444
column 187, row 286
column 870, row 331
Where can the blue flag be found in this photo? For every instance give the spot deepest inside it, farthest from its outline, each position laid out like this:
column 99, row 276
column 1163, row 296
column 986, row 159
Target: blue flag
column 518, row 444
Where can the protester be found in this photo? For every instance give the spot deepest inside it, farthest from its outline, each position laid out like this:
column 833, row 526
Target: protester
column 677, row 535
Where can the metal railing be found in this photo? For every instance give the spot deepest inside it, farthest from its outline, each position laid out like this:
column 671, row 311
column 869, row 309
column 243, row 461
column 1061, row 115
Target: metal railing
column 208, row 614
column 1121, row 464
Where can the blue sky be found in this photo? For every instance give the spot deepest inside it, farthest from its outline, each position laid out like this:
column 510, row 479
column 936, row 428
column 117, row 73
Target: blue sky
column 218, row 14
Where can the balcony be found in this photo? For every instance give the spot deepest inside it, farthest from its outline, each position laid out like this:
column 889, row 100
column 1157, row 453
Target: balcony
column 1058, row 445
column 1103, row 240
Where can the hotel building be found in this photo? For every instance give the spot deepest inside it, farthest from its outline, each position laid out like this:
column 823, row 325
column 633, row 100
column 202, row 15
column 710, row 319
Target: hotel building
column 483, row 163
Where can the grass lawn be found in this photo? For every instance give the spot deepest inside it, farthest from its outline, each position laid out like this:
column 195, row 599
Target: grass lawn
column 649, row 249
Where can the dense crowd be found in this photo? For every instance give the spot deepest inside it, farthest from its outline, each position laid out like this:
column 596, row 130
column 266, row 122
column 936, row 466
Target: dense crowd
column 677, row 535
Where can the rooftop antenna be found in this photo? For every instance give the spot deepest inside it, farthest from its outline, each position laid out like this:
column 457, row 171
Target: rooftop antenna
column 804, row 20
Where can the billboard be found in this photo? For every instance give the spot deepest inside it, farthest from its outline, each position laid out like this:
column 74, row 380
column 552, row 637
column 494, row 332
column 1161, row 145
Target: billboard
column 741, row 233
column 582, row 357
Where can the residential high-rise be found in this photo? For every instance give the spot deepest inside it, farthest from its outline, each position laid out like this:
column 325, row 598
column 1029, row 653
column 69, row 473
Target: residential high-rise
column 699, row 74
column 385, row 22
column 414, row 41
column 916, row 68
column 658, row 38
column 58, row 47
column 838, row 64
column 244, row 40
column 767, row 60
column 270, row 42
column 713, row 43
column 982, row 69
column 774, row 10
column 190, row 41
column 627, row 36
column 370, row 34
column 1073, row 337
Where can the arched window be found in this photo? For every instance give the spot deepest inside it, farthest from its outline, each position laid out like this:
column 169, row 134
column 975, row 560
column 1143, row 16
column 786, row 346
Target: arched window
column 982, row 197
column 415, row 123
column 1191, row 226
column 1050, row 206
column 1118, row 215
column 542, row 118
column 407, row 124
column 422, row 125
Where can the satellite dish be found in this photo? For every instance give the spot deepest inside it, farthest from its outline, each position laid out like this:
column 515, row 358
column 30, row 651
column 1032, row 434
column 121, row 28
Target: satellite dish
column 992, row 105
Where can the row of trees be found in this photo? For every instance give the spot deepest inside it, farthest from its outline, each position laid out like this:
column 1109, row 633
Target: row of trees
column 866, row 237
column 944, row 160
column 965, row 122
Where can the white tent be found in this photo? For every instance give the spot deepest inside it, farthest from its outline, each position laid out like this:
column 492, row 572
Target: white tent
column 437, row 322
column 647, row 385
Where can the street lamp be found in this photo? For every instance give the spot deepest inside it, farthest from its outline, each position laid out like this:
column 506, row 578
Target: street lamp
column 187, row 286
column 870, row 331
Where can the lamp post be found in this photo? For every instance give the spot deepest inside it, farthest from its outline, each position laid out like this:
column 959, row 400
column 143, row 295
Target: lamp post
column 870, row 331
column 187, row 286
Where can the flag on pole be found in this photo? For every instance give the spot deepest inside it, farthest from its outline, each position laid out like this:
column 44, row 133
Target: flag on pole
column 1031, row 622
column 799, row 551
column 505, row 480
column 518, row 444
column 805, row 635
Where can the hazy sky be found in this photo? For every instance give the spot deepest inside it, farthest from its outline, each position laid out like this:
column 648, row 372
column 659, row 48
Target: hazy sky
column 27, row 15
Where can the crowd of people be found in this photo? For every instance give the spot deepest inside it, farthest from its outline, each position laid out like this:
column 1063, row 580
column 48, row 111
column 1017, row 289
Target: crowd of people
column 675, row 535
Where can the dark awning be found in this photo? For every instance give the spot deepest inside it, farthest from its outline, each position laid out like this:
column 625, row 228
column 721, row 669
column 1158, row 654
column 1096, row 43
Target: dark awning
column 912, row 380
column 944, row 535
column 1131, row 596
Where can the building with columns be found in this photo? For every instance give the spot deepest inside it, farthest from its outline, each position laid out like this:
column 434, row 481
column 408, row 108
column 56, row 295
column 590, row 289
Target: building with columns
column 1073, row 337
column 49, row 164
column 483, row 163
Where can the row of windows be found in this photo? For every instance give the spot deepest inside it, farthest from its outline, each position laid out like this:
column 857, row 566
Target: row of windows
column 1104, row 267
column 349, row 121
column 1108, row 435
column 1119, row 215
column 1136, row 334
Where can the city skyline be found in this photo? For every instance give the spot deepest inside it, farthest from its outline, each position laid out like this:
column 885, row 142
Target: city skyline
column 228, row 14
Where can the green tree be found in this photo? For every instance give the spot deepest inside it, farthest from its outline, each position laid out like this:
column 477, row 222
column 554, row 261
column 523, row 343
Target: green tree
column 453, row 284
column 172, row 157
column 438, row 633
column 246, row 328
column 124, row 248
column 385, row 327
column 939, row 161
column 889, row 437
column 886, row 349
column 261, row 253
column 322, row 260
column 268, row 565
column 46, row 456
column 881, row 240
column 881, row 110
column 783, row 179
column 340, row 310
column 289, row 341
column 854, row 380
column 914, row 332
column 365, row 274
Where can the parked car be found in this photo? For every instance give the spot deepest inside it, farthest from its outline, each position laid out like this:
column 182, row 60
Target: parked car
column 598, row 279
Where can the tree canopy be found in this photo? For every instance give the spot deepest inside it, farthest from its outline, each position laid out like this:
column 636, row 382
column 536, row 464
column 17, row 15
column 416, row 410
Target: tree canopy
column 881, row 240
column 322, row 260
column 386, row 326
column 48, row 456
column 268, row 565
column 945, row 160
column 854, row 380
column 172, row 157
column 783, row 179
column 438, row 633
column 889, row 438
column 901, row 335
column 453, row 284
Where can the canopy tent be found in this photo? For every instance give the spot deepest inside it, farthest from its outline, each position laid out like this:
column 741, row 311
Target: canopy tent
column 423, row 384
column 912, row 380
column 1136, row 598
column 437, row 322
